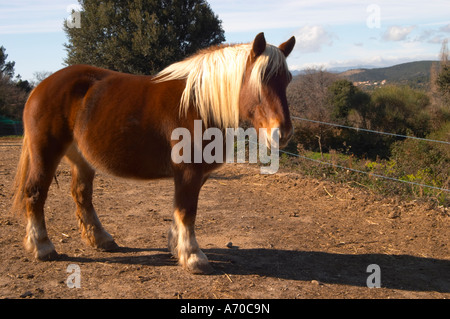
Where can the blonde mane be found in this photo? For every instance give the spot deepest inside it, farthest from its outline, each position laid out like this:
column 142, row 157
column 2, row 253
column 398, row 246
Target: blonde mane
column 214, row 79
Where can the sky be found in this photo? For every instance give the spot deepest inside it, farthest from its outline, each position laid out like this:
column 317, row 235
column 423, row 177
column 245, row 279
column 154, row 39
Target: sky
column 329, row 34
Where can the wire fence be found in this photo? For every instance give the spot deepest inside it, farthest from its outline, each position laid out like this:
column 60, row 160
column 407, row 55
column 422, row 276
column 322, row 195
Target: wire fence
column 365, row 172
column 9, row 144
column 370, row 131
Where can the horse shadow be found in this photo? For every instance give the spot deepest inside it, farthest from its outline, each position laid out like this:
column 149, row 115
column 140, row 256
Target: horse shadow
column 403, row 272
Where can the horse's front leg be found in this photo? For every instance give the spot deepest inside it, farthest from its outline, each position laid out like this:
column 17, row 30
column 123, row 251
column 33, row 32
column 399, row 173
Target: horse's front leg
column 182, row 241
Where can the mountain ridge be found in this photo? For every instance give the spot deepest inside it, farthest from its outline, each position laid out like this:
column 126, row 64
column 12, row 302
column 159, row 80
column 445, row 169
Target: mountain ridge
column 415, row 74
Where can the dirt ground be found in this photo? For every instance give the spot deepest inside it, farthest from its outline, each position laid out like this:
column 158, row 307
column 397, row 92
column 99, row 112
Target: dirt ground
column 291, row 237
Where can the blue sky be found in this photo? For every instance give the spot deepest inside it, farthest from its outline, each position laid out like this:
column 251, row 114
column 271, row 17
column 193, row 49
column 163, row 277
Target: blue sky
column 329, row 33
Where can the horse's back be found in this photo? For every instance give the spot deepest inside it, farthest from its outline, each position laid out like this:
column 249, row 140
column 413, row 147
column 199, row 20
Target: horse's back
column 57, row 97
column 51, row 108
column 119, row 122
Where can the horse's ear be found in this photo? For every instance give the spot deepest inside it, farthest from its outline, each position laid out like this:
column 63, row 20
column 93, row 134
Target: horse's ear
column 259, row 45
column 287, row 46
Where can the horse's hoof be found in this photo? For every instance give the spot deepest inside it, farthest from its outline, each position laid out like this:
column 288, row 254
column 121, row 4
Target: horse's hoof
column 42, row 250
column 203, row 269
column 48, row 256
column 108, row 246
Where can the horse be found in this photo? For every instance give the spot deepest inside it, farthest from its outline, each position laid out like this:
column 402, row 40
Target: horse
column 98, row 119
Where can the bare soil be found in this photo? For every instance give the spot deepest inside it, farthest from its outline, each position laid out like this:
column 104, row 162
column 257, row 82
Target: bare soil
column 267, row 236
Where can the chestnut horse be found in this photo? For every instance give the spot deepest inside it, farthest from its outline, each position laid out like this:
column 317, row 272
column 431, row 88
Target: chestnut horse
column 122, row 124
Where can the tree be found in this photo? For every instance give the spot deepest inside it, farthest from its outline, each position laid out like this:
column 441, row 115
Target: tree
column 307, row 96
column 13, row 94
column 341, row 95
column 400, row 110
column 443, row 80
column 141, row 36
column 24, row 85
column 440, row 75
column 6, row 68
column 39, row 76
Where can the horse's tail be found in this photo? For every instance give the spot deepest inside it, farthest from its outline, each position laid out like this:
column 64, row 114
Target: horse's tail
column 21, row 178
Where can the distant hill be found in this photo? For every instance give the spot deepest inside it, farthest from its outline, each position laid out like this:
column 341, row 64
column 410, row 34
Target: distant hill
column 416, row 74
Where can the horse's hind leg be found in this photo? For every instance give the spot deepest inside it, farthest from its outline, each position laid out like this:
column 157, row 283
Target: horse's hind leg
column 43, row 161
column 91, row 229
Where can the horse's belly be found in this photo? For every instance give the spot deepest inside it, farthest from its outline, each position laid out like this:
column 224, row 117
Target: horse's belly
column 128, row 158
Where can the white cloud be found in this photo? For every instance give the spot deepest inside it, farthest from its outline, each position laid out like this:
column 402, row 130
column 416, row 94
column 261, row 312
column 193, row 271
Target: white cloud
column 445, row 28
column 436, row 39
column 397, row 33
column 312, row 38
column 262, row 15
column 431, row 35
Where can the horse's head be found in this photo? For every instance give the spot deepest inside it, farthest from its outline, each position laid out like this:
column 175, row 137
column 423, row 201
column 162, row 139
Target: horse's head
column 263, row 99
